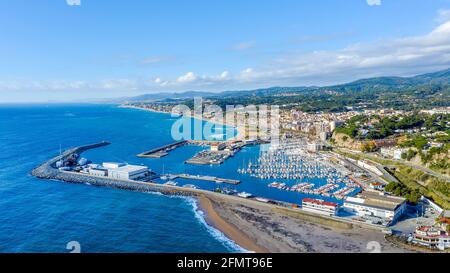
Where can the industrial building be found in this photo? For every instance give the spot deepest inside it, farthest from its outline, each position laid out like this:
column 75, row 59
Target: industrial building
column 319, row 206
column 125, row 171
column 376, row 204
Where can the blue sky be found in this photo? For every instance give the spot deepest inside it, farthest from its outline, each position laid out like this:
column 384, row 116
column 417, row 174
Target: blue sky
column 51, row 50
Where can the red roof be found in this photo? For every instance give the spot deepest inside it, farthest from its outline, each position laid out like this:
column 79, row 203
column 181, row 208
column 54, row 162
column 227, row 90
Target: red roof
column 319, row 202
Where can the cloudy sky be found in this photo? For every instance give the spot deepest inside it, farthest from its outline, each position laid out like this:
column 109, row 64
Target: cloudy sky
column 54, row 50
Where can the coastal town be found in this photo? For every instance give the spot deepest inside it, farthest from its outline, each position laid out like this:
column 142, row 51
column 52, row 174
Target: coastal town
column 227, row 135
column 331, row 173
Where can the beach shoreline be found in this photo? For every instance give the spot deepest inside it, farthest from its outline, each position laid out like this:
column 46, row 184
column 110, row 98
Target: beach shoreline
column 213, row 219
column 261, row 228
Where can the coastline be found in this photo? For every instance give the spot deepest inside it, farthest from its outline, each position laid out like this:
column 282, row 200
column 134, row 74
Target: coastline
column 262, row 228
column 254, row 226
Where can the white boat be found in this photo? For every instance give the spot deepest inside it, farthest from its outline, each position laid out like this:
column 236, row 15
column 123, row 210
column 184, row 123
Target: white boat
column 171, row 183
column 244, row 194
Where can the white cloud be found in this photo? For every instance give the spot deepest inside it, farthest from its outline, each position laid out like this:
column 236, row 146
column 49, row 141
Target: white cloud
column 224, row 75
column 374, row 2
column 188, row 77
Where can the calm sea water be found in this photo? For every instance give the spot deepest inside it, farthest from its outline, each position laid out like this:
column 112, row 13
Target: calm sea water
column 43, row 216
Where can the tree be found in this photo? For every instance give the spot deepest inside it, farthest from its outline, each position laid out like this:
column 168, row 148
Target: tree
column 369, row 147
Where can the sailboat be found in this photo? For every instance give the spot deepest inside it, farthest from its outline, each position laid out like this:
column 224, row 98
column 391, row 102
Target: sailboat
column 164, row 177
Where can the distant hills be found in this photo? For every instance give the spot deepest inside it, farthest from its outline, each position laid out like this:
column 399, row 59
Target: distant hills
column 439, row 80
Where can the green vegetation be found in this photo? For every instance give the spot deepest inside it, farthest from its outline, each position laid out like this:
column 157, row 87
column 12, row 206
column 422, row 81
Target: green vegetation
column 369, row 147
column 398, row 189
column 418, row 142
column 409, row 155
column 374, row 127
column 413, row 93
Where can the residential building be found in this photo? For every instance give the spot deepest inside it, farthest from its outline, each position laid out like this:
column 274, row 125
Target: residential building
column 432, row 237
column 319, row 206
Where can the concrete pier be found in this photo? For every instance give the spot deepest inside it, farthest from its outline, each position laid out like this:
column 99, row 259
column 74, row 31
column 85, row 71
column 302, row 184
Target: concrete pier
column 162, row 151
column 207, row 178
column 48, row 171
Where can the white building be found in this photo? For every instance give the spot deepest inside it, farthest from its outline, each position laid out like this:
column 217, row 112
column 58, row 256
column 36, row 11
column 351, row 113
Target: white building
column 332, row 125
column 398, row 154
column 125, row 171
column 323, row 136
column 364, row 164
column 319, row 206
column 98, row 172
column 376, row 204
column 314, row 147
column 392, row 153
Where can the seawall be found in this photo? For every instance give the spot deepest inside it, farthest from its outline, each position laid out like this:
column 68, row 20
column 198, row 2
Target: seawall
column 48, row 170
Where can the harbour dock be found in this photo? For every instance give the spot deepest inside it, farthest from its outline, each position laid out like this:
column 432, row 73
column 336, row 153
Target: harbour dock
column 207, row 178
column 162, row 151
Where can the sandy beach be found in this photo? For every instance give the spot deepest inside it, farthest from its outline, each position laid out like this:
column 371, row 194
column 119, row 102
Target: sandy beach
column 230, row 230
column 260, row 228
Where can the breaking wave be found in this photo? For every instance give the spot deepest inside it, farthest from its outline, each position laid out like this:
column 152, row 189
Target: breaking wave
column 217, row 234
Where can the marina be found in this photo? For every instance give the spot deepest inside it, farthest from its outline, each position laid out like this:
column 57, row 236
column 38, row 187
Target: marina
column 292, row 163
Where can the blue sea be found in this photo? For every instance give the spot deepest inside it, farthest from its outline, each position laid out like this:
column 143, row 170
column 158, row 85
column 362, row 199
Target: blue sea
column 43, row 216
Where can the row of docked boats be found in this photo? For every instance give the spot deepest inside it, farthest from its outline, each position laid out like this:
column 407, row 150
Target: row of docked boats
column 308, row 188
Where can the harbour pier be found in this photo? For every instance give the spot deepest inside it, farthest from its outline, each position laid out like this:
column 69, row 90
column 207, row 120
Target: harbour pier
column 162, row 151
column 207, row 178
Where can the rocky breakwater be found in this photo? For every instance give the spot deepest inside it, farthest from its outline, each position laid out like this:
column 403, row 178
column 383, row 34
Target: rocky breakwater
column 49, row 171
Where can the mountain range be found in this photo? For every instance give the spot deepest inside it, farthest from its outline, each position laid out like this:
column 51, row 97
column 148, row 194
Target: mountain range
column 439, row 79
